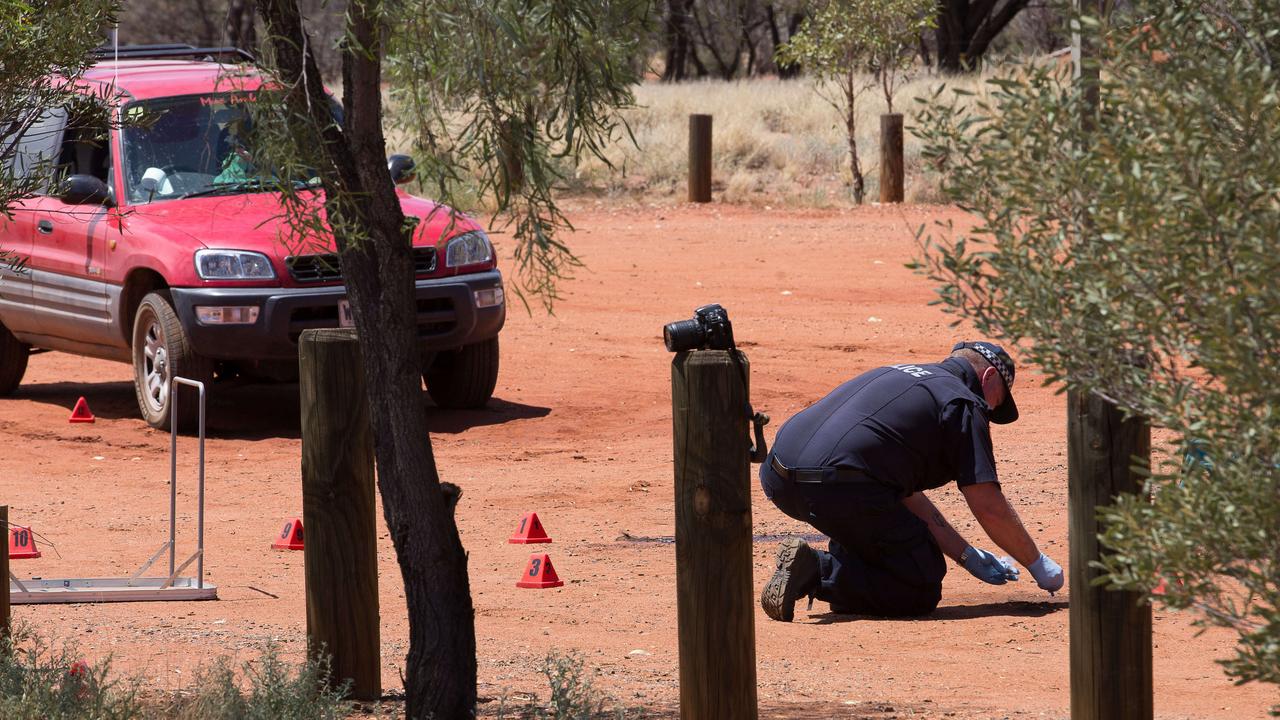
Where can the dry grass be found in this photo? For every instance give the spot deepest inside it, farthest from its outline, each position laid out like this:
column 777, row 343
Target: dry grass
column 775, row 142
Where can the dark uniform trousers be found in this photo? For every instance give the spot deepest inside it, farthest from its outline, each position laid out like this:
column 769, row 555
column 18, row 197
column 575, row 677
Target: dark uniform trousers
column 882, row 559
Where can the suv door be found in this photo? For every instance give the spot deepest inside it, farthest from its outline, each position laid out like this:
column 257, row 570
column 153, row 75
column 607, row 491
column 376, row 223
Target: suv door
column 37, row 151
column 15, row 284
column 68, row 288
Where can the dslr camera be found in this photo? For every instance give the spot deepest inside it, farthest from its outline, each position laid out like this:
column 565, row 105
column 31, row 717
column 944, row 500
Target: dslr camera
column 708, row 330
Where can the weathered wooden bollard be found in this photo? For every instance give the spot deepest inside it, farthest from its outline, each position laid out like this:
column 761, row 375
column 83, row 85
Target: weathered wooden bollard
column 891, row 172
column 4, row 576
column 700, row 158
column 716, row 608
column 338, row 510
column 1110, row 630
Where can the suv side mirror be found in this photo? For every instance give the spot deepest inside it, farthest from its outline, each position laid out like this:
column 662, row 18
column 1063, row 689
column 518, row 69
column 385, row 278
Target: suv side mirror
column 402, row 169
column 85, row 190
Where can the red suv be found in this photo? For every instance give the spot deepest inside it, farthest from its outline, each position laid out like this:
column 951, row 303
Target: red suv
column 157, row 245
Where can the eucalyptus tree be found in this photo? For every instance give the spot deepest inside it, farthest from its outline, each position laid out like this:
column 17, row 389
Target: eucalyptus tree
column 504, row 90
column 1153, row 241
column 850, row 47
column 44, row 49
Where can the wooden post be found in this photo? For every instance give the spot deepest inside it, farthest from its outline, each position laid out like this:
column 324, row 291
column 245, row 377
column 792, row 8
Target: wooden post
column 5, row 624
column 716, row 607
column 891, row 174
column 338, row 511
column 700, row 158
column 1110, row 630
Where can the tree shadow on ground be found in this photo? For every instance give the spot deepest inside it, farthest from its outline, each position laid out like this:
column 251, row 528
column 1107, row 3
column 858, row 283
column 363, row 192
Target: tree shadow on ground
column 108, row 400
column 243, row 410
column 498, row 411
column 1016, row 608
column 234, row 409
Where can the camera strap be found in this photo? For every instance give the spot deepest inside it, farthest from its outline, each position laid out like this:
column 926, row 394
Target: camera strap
column 760, row 450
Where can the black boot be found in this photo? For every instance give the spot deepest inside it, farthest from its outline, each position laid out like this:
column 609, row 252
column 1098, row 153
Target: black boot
column 796, row 577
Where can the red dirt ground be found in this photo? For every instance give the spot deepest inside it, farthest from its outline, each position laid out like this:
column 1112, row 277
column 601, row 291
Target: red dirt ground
column 580, row 431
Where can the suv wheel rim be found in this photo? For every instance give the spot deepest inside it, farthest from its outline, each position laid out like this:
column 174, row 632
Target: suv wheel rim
column 156, row 366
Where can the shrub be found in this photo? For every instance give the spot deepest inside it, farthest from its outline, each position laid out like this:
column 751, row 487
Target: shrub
column 573, row 695
column 267, row 688
column 40, row 681
column 1152, row 237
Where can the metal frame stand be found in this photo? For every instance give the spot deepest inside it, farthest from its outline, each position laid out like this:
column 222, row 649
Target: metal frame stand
column 137, row 588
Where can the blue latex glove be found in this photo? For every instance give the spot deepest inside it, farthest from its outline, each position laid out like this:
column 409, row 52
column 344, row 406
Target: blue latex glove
column 987, row 567
column 1048, row 574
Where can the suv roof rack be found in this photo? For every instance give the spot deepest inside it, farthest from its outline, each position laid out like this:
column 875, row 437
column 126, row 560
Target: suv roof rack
column 169, row 50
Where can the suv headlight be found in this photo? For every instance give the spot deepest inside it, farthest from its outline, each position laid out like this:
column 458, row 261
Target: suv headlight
column 468, row 248
column 233, row 265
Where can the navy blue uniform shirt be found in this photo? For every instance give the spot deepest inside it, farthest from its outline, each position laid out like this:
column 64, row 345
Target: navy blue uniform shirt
column 915, row 427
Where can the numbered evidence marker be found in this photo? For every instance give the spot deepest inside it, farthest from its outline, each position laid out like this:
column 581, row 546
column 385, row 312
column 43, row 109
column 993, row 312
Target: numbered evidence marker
column 22, row 544
column 290, row 537
column 530, row 531
column 539, row 573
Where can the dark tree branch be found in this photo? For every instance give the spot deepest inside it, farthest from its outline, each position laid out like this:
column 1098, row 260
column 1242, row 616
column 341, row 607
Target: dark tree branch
column 976, row 14
column 992, row 26
column 965, row 30
column 726, row 70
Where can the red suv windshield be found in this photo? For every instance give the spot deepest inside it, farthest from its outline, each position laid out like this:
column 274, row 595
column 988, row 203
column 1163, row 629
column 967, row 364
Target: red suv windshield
column 179, row 146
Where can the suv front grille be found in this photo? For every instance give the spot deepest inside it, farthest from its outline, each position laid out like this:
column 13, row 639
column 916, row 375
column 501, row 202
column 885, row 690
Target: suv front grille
column 326, row 267
column 436, row 316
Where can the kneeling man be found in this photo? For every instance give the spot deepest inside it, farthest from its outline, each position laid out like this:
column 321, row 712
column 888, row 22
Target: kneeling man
column 855, row 466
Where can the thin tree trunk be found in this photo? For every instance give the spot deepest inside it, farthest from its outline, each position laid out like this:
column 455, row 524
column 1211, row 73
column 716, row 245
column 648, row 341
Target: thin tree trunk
column 698, row 65
column 859, row 184
column 749, row 16
column 886, row 84
column 732, row 70
column 440, row 673
column 949, row 37
column 793, row 25
column 851, row 132
column 241, row 31
column 775, row 36
column 677, row 38
column 772, row 16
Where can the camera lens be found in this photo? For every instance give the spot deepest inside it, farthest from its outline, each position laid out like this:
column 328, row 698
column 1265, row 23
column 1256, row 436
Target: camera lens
column 683, row 335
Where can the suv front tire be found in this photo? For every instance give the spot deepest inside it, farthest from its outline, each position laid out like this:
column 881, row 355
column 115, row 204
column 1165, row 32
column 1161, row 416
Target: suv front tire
column 13, row 361
column 161, row 352
column 464, row 378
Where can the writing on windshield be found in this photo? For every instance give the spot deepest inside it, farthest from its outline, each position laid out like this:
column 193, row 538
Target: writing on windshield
column 193, row 144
